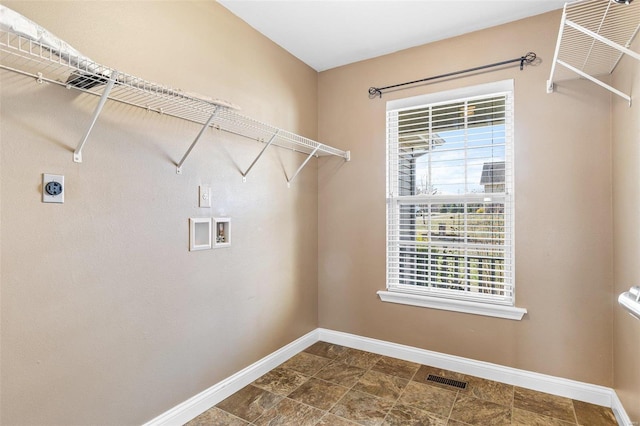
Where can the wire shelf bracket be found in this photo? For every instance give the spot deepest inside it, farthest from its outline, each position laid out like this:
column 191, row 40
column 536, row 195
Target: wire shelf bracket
column 302, row 166
column 57, row 63
column 77, row 154
column 594, row 36
column 195, row 141
column 244, row 175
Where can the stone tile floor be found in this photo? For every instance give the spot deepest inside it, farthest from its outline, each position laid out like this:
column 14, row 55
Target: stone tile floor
column 331, row 385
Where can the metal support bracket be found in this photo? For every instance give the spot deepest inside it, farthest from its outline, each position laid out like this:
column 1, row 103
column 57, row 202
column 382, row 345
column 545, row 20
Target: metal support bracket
column 302, row 166
column 195, row 141
column 586, row 12
column 596, row 81
column 77, row 154
column 273, row 137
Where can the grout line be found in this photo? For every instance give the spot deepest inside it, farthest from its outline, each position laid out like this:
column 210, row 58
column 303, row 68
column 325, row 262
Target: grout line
column 352, row 386
column 401, row 392
column 575, row 415
column 513, row 401
column 453, row 405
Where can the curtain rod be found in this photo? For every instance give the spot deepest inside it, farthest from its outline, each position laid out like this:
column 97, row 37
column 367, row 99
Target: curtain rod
column 528, row 58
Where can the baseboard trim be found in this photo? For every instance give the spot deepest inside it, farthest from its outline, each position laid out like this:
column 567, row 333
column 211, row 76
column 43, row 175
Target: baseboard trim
column 191, row 408
column 619, row 411
column 580, row 391
column 540, row 382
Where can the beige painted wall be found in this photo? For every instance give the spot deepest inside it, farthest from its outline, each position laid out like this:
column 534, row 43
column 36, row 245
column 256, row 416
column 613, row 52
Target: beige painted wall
column 626, row 227
column 107, row 318
column 563, row 209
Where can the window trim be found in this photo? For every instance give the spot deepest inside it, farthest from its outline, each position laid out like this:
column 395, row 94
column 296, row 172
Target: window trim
column 398, row 294
column 455, row 305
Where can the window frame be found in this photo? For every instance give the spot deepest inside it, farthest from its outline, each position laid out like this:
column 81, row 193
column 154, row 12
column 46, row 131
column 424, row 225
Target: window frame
column 448, row 299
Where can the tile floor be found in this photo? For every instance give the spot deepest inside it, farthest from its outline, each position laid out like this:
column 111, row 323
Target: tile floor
column 331, row 385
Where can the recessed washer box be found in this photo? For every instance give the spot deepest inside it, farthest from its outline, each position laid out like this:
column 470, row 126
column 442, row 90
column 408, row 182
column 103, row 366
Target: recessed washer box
column 222, row 230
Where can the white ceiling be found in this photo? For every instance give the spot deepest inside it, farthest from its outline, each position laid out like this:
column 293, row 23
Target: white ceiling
column 328, row 33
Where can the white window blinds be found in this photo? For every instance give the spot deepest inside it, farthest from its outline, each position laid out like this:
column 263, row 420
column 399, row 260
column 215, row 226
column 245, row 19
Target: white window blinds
column 450, row 196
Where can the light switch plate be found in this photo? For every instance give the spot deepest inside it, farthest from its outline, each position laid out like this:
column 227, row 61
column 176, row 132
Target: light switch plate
column 204, row 196
column 52, row 188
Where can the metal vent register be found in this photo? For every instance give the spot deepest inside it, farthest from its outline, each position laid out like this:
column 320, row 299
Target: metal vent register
column 449, row 382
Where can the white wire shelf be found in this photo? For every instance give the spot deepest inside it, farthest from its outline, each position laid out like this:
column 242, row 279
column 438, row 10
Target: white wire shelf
column 594, row 35
column 68, row 69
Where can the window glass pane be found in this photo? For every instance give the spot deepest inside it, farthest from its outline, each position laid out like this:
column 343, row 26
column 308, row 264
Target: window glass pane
column 455, row 240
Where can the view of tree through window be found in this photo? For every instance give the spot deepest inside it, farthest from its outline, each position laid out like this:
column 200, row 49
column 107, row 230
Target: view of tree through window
column 450, row 172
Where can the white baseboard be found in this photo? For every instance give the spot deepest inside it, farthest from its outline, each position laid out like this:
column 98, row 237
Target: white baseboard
column 191, row 408
column 619, row 411
column 580, row 391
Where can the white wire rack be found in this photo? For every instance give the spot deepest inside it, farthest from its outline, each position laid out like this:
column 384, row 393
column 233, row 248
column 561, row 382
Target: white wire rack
column 45, row 64
column 594, row 35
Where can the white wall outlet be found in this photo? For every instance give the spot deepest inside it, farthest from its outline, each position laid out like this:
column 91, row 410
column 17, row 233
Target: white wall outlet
column 204, row 196
column 52, row 188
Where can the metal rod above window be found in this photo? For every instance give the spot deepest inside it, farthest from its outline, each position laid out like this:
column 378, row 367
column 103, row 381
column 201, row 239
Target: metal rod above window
column 528, row 58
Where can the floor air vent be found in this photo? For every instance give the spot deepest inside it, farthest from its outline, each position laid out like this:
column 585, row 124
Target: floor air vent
column 449, row 382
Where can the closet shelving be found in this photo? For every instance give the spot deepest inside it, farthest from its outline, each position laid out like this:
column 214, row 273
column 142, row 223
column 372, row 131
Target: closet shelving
column 66, row 68
column 594, row 36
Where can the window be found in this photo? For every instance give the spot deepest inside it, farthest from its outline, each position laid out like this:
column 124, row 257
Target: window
column 450, row 200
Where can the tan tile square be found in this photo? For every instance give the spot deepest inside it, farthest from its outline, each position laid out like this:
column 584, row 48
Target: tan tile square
column 249, row 403
column 593, row 415
column 281, row 381
column 429, row 398
column 396, row 367
column 362, row 408
column 326, row 350
column 358, row 358
column 306, row 363
column 406, row 415
column 341, row 374
column 318, row 393
column 456, row 423
column 527, row 418
column 544, row 403
column 288, row 412
column 474, row 411
column 381, row 385
column 333, row 420
column 216, row 417
column 497, row 392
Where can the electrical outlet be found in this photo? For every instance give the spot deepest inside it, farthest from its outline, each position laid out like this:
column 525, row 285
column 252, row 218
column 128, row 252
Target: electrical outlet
column 52, row 188
column 204, row 196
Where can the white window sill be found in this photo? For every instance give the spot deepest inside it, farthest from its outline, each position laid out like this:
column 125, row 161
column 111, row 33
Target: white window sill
column 498, row 311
